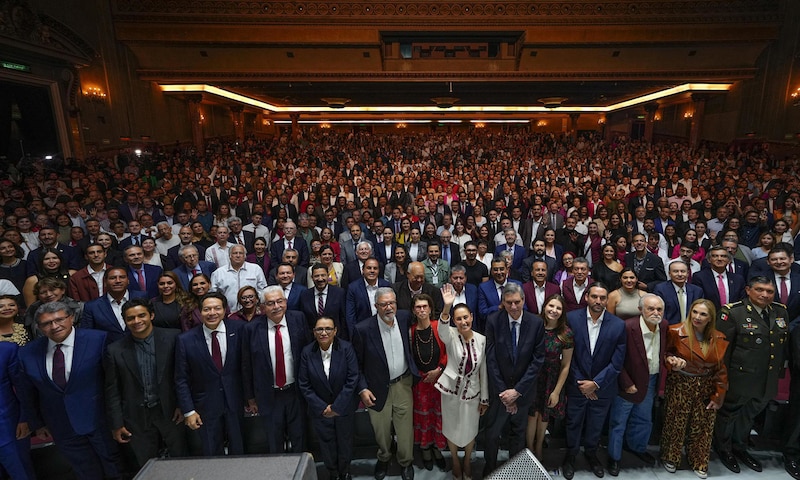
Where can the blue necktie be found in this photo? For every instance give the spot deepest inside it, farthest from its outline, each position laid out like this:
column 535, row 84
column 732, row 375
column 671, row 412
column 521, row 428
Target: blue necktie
column 514, row 340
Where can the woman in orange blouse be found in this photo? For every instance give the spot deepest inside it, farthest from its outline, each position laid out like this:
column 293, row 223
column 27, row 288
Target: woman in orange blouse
column 696, row 386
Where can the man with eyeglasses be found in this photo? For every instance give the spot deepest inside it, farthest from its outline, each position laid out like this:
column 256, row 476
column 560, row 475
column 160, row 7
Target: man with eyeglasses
column 239, row 273
column 191, row 265
column 270, row 372
column 477, row 272
column 384, row 356
column 61, row 392
column 328, row 379
column 185, row 236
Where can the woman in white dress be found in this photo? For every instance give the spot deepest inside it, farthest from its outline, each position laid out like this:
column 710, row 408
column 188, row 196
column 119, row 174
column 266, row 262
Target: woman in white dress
column 464, row 383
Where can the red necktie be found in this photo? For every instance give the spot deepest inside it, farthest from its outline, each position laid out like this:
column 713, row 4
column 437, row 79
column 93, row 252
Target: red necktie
column 59, row 368
column 216, row 353
column 723, row 299
column 320, row 304
column 290, row 244
column 140, row 278
column 784, row 291
column 280, row 366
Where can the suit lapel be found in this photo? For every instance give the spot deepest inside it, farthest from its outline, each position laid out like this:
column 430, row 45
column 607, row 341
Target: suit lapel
column 263, row 343
column 639, row 341
column 230, row 337
column 375, row 337
column 161, row 351
column 110, row 314
column 200, row 340
column 129, row 357
column 316, row 362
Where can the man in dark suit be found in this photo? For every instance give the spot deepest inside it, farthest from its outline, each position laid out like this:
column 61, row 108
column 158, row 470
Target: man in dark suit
column 348, row 246
column 331, row 394
column 271, row 389
column 489, row 292
column 82, row 284
column 648, row 266
column 48, row 238
column 677, row 294
column 465, row 292
column 592, row 383
column 239, row 236
column 786, row 281
column 139, row 382
column 415, row 283
column 631, row 411
column 135, row 238
column 386, row 378
column 14, row 432
column 514, row 355
column 291, row 210
column 569, row 239
column 191, row 265
column 292, row 290
column 359, row 304
column 538, row 255
column 330, row 298
column 290, row 240
column 519, row 252
column 142, row 277
column 101, row 314
column 553, row 218
column 61, row 392
column 450, row 252
column 185, row 235
column 538, row 289
column 208, row 378
column 573, row 288
column 718, row 284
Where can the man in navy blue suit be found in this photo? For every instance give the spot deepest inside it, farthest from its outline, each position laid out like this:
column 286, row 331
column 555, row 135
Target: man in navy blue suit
column 105, row 313
column 599, row 352
column 289, row 240
column 142, row 277
column 514, row 355
column 48, row 237
column 465, row 292
column 292, row 290
column 208, row 377
column 718, row 284
column 677, row 294
column 61, row 391
column 360, row 303
column 519, row 251
column 387, row 367
column 489, row 292
column 191, row 265
column 785, row 280
column 331, row 298
column 14, row 442
column 270, row 386
column 185, row 234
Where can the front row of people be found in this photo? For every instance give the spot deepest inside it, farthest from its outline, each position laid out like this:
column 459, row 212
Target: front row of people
column 526, row 370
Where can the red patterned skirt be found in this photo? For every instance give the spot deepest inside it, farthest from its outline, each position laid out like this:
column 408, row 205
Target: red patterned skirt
column 428, row 416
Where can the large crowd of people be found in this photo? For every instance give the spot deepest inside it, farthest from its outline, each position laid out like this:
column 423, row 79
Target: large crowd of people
column 450, row 283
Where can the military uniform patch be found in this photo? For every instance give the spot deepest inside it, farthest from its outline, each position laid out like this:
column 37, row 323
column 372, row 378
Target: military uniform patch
column 780, row 322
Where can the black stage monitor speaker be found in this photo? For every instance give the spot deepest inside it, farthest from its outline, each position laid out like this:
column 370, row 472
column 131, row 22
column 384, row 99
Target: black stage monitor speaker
column 524, row 465
column 272, row 467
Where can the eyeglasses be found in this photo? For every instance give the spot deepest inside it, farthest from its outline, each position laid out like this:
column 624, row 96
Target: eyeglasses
column 422, row 306
column 247, row 298
column 56, row 321
column 324, row 329
column 386, row 304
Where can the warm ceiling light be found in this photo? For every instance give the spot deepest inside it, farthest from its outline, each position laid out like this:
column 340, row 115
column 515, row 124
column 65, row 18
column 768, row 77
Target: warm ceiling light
column 552, row 102
column 336, row 102
column 444, row 102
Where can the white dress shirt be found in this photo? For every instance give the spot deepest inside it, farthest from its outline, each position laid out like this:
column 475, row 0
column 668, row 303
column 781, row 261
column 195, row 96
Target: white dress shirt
column 219, row 255
column 393, row 346
column 228, row 281
column 652, row 346
column 594, row 329
column 326, row 359
column 222, row 339
column 117, row 308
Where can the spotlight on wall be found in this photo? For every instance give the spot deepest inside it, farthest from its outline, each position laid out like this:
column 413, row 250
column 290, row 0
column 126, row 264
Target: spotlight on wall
column 95, row 95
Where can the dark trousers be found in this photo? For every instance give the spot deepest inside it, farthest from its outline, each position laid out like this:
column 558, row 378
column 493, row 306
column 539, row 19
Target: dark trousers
column 335, row 437
column 791, row 440
column 16, row 459
column 735, row 420
column 216, row 429
column 92, row 456
column 285, row 417
column 147, row 436
column 498, row 419
column 585, row 419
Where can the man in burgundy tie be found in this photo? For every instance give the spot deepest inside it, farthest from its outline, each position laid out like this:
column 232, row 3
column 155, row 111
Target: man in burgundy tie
column 270, row 372
column 208, row 377
column 61, row 392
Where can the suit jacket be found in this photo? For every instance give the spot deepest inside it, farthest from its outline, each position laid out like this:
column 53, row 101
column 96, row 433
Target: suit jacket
column 249, row 238
column 604, row 365
column 172, row 253
column 299, row 244
column 672, row 309
column 357, row 304
column 348, row 251
column 422, row 251
column 455, row 253
column 404, row 297
column 372, row 357
column 78, row 409
column 72, row 259
column 338, row 388
column 635, row 370
column 471, row 294
column 257, row 367
column 504, row 371
column 706, row 280
column 793, row 305
column 488, row 301
column 151, row 274
column 98, row 315
column 529, row 288
column 82, row 286
column 127, row 242
column 527, row 266
column 9, row 382
column 334, row 308
column 199, row 386
column 293, row 302
column 454, row 380
column 207, row 268
column 570, row 299
column 123, row 382
column 380, row 253
column 519, row 255
column 652, row 271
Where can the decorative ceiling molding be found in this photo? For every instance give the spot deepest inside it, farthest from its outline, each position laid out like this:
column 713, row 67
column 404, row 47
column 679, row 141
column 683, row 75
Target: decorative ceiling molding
column 435, row 12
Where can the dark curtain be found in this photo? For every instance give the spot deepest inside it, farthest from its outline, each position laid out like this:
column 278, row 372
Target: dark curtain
column 36, row 127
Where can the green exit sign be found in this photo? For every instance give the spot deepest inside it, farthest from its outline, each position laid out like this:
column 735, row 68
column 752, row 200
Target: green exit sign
column 15, row 66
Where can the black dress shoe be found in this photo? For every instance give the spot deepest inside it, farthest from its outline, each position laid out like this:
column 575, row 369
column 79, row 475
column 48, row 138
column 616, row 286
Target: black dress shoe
column 346, row 476
column 792, row 467
column 407, row 472
column 441, row 463
column 729, row 461
column 427, row 458
column 613, row 467
column 748, row 460
column 568, row 467
column 595, row 465
column 646, row 458
column 380, row 470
